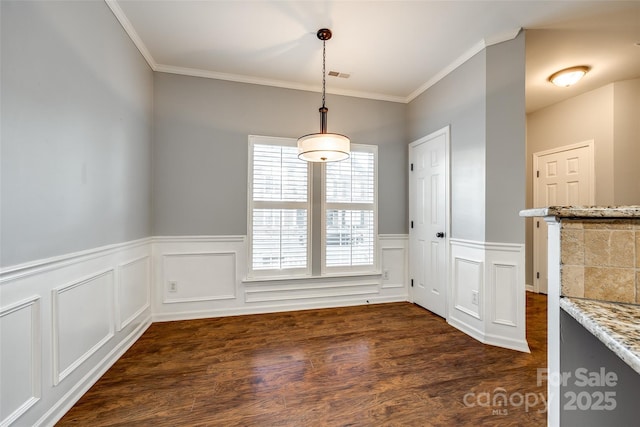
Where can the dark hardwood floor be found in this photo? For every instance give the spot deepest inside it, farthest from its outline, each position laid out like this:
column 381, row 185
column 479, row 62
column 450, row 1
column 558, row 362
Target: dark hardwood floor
column 376, row 365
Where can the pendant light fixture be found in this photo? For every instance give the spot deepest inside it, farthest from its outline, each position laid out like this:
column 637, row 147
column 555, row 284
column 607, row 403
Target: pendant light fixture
column 323, row 147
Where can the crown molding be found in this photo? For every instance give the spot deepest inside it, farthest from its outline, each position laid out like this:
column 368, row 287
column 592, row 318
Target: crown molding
column 478, row 47
column 131, row 32
column 194, row 72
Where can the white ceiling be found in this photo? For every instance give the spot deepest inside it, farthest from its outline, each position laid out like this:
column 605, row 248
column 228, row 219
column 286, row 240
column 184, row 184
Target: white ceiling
column 393, row 50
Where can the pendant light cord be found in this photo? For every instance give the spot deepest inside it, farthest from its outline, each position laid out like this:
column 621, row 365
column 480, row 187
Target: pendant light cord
column 324, row 73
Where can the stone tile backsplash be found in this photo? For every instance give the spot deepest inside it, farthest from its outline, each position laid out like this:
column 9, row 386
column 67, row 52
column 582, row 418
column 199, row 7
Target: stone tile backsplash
column 600, row 259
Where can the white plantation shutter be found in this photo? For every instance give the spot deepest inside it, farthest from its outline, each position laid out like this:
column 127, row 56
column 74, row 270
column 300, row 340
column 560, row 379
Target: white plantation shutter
column 350, row 211
column 279, row 206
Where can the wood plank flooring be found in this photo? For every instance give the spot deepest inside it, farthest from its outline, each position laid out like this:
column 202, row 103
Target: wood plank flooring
column 376, row 365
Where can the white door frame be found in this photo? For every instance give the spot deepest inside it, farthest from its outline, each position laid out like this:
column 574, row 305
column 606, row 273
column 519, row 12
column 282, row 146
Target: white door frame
column 446, row 131
column 589, row 144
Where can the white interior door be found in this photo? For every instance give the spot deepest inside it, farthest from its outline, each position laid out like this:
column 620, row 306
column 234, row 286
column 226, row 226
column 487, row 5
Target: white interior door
column 562, row 177
column 429, row 222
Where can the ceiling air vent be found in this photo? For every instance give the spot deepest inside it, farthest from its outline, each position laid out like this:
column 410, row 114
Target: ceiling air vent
column 339, row 74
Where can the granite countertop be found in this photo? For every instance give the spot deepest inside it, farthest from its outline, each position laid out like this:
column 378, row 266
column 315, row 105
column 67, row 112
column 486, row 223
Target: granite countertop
column 584, row 212
column 617, row 325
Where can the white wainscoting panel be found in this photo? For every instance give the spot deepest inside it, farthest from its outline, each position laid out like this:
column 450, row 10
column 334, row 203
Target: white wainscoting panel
column 205, row 276
column 65, row 320
column 506, row 296
column 317, row 289
column 58, row 325
column 132, row 292
column 394, row 250
column 467, row 279
column 505, row 283
column 82, row 321
column 199, row 276
column 496, row 272
column 20, row 380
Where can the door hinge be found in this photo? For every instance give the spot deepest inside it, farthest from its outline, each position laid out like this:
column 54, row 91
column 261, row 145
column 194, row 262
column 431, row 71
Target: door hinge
column 412, row 283
column 411, row 224
column 412, row 166
column 537, row 224
column 537, row 174
column 537, row 275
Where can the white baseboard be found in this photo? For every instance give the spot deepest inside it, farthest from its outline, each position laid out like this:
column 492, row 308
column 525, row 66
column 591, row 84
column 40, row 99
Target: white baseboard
column 205, row 314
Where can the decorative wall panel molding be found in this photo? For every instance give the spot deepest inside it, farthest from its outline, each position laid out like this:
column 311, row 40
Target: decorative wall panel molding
column 82, row 321
column 64, row 322
column 489, row 292
column 467, row 279
column 20, row 368
column 71, row 317
column 199, row 276
column 505, row 283
column 316, row 290
column 132, row 291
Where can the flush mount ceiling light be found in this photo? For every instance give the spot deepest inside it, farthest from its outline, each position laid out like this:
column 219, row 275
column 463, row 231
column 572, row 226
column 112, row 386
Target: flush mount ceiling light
column 323, row 146
column 568, row 76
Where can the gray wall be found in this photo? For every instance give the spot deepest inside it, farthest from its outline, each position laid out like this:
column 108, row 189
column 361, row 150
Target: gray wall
column 76, row 131
column 459, row 100
column 626, row 142
column 483, row 101
column 200, row 148
column 506, row 129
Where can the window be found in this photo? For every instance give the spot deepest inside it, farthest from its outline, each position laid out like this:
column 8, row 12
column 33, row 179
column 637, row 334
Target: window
column 280, row 211
column 349, row 207
column 279, row 208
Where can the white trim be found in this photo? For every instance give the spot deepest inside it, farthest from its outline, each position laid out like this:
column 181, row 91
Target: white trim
column 239, row 78
column 131, row 32
column 251, row 205
column 36, row 356
column 474, row 244
column 194, row 72
column 232, row 296
column 479, row 264
column 121, row 324
column 470, row 53
column 194, row 239
column 31, row 268
column 487, row 325
column 341, row 289
column 393, row 237
column 310, row 277
column 349, row 270
column 275, row 308
column 58, row 375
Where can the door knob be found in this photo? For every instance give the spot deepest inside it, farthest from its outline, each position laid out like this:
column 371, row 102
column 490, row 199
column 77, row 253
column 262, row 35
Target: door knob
column 440, row 235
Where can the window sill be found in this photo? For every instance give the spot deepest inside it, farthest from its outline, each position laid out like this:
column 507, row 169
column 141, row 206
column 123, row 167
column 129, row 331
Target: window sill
column 373, row 274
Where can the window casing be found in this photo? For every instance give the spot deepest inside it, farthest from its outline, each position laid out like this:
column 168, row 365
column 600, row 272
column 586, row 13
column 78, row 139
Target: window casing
column 349, row 213
column 279, row 209
column 280, row 212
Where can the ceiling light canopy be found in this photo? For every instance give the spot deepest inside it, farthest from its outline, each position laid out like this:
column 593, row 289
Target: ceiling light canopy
column 323, row 146
column 568, row 76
